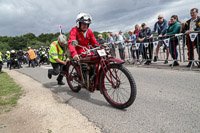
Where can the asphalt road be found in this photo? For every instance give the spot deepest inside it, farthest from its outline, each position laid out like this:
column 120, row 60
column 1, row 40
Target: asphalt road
column 168, row 101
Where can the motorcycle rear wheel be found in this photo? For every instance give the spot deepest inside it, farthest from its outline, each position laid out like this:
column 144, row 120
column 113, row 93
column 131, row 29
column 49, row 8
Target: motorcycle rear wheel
column 72, row 78
column 123, row 93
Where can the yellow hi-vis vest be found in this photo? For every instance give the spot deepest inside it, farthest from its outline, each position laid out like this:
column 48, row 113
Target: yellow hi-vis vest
column 7, row 56
column 56, row 52
column 1, row 58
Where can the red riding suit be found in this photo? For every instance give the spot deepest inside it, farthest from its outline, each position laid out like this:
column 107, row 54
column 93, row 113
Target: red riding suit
column 84, row 39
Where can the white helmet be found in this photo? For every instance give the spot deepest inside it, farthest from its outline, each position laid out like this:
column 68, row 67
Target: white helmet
column 83, row 18
column 7, row 52
column 62, row 39
column 12, row 51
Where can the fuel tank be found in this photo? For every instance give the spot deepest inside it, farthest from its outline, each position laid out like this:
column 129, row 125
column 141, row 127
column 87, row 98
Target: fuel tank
column 90, row 59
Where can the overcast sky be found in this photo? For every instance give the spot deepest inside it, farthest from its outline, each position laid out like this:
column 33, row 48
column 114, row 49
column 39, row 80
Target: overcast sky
column 18, row 17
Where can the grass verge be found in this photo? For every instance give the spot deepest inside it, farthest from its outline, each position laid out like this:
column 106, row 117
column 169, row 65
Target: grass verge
column 10, row 92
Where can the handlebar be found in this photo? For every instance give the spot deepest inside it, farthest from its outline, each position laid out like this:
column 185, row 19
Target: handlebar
column 89, row 51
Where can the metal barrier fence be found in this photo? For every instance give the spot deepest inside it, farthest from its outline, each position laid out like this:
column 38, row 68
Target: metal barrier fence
column 145, row 51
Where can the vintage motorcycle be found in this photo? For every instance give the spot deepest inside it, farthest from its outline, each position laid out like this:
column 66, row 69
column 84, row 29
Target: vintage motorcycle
column 102, row 72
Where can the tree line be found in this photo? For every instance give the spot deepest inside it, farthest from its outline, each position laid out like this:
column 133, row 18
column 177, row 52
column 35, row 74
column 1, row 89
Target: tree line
column 31, row 40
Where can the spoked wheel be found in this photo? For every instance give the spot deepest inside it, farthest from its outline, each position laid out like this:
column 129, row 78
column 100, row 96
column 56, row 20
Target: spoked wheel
column 122, row 93
column 73, row 78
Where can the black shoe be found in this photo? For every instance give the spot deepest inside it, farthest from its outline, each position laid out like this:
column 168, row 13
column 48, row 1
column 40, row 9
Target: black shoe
column 166, row 61
column 176, row 63
column 146, row 63
column 155, row 58
column 61, row 83
column 189, row 64
column 49, row 76
column 149, row 62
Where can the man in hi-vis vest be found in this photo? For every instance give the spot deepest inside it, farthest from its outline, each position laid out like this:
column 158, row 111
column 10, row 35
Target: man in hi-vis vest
column 32, row 57
column 58, row 59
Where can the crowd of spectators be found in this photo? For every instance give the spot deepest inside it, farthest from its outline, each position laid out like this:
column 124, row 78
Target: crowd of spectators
column 144, row 36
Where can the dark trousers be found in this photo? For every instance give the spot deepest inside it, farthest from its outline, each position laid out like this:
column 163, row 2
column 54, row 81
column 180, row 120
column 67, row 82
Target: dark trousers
column 32, row 62
column 139, row 51
column 1, row 64
column 41, row 59
column 132, row 52
column 58, row 69
column 173, row 49
column 112, row 50
column 148, row 52
column 8, row 63
column 20, row 60
column 121, row 53
column 191, row 47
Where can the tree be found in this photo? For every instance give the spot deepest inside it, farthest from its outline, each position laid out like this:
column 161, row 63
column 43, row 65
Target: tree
column 17, row 43
column 29, row 36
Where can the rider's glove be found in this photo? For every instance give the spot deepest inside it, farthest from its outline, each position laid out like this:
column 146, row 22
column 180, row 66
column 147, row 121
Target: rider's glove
column 76, row 57
column 96, row 45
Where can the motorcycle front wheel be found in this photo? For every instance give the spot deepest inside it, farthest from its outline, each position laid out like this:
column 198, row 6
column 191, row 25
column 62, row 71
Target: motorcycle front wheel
column 72, row 77
column 122, row 93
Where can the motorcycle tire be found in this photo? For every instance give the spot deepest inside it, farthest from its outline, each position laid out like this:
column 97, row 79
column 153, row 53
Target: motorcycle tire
column 121, row 87
column 72, row 77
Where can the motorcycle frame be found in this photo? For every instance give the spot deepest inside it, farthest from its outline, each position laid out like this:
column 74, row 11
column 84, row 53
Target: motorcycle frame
column 102, row 65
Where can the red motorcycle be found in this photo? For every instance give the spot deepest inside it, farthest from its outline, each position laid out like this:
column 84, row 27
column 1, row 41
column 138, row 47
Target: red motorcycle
column 104, row 73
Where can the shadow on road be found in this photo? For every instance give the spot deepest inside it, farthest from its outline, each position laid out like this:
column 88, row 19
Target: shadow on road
column 82, row 94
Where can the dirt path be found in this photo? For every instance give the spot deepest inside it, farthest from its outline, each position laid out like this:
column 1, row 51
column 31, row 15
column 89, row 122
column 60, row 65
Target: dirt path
column 41, row 111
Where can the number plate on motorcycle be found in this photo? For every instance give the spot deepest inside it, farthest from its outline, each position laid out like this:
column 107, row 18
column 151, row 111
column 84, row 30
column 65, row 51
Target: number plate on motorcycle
column 101, row 52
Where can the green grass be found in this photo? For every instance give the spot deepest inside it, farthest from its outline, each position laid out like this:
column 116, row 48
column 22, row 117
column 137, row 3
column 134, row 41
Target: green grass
column 10, row 92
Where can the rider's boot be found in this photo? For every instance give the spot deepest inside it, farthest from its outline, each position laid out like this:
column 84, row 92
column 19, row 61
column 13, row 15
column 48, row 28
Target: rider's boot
column 59, row 79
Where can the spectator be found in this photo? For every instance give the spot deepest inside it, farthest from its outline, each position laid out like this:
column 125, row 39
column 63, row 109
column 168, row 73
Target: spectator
column 110, row 43
column 100, row 40
column 121, row 33
column 140, row 49
column 174, row 28
column 161, row 27
column 124, row 38
column 112, row 35
column 119, row 41
column 136, row 31
column 191, row 25
column 145, row 36
column 132, row 39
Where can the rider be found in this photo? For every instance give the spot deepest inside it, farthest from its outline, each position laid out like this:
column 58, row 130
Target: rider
column 13, row 56
column 20, row 57
column 82, row 34
column 58, row 59
column 7, row 55
column 41, row 53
